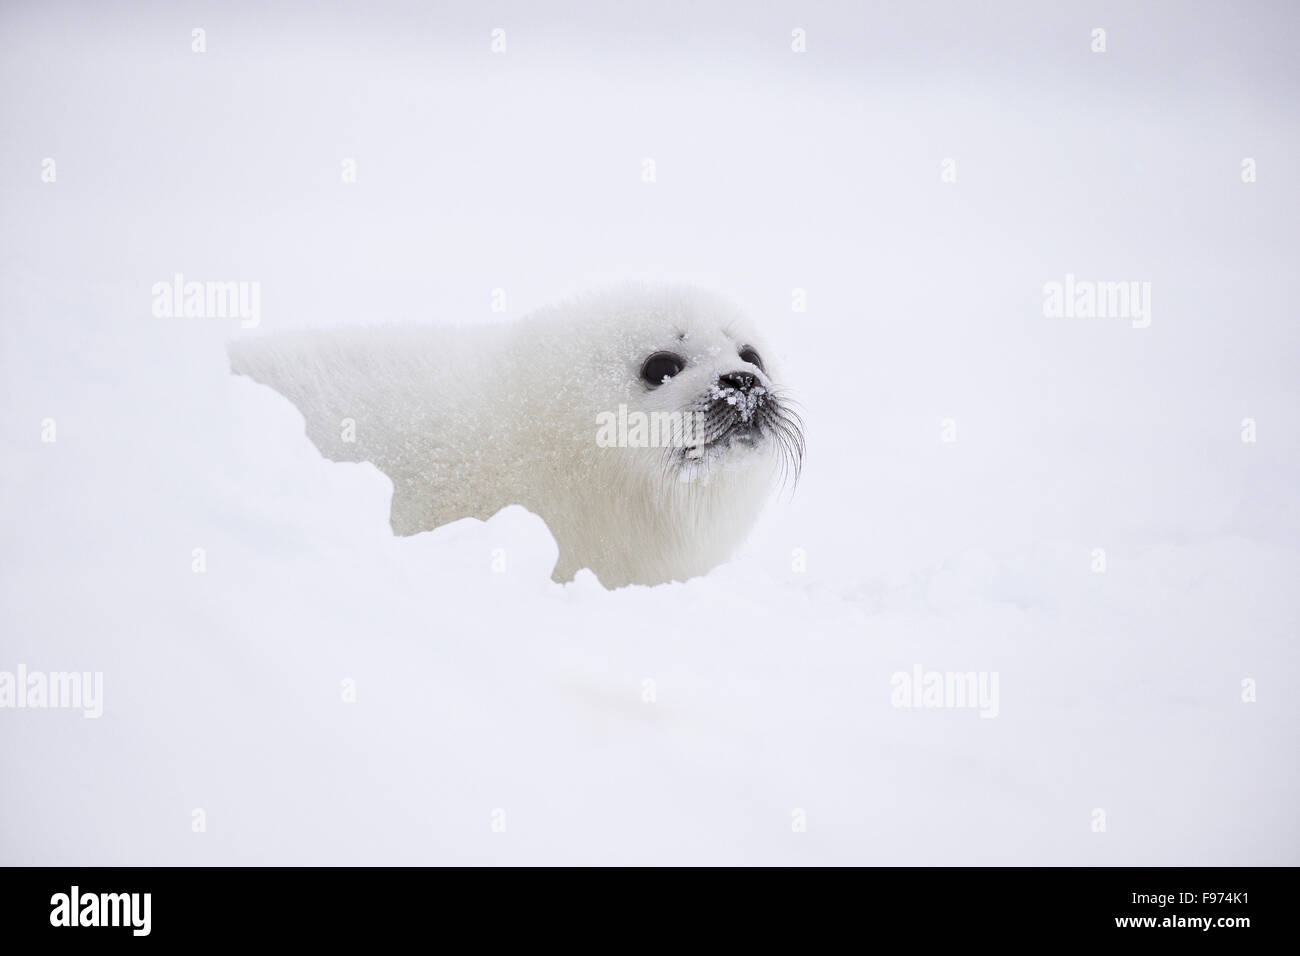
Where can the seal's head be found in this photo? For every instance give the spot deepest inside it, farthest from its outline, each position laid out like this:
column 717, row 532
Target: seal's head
column 679, row 427
column 691, row 391
column 732, row 409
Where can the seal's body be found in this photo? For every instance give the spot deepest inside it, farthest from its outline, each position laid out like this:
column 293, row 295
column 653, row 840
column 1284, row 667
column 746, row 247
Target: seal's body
column 466, row 421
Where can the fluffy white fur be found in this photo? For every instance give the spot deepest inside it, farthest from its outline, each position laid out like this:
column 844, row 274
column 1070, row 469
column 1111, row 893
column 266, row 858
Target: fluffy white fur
column 466, row 421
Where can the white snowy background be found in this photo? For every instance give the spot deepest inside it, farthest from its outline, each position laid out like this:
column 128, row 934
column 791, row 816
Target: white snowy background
column 479, row 691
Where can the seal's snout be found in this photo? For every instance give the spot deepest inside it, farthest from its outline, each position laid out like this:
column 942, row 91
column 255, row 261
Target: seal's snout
column 740, row 410
column 740, row 381
column 739, row 399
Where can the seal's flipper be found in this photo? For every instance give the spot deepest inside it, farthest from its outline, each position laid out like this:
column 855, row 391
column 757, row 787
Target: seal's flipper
column 357, row 399
column 319, row 375
column 389, row 396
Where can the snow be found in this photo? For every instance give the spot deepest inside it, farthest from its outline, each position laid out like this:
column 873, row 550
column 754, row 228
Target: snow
column 747, row 716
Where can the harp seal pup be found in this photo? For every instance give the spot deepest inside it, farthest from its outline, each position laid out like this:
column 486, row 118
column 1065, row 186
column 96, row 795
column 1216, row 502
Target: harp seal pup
column 468, row 420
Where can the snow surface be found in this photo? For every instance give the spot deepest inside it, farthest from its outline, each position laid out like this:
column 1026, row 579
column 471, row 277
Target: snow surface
column 479, row 691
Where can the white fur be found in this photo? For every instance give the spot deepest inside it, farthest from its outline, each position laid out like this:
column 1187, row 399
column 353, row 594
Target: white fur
column 466, row 421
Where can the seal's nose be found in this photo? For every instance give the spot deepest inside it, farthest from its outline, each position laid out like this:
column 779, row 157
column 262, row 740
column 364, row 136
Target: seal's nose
column 740, row 381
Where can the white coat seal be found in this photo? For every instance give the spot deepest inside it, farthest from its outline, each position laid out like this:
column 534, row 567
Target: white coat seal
column 566, row 412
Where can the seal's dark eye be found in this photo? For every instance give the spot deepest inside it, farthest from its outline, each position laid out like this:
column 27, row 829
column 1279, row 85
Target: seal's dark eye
column 747, row 354
column 660, row 366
